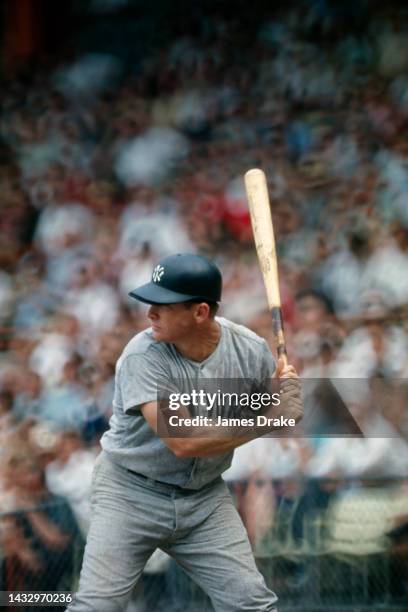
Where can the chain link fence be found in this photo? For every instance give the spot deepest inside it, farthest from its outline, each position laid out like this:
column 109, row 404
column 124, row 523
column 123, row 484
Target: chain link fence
column 330, row 546
column 41, row 548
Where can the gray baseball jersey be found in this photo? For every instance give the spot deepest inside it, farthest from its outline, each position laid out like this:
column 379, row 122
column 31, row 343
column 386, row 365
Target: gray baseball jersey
column 145, row 364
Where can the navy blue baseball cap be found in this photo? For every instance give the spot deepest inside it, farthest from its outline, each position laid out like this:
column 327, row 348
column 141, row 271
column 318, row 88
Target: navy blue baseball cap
column 182, row 277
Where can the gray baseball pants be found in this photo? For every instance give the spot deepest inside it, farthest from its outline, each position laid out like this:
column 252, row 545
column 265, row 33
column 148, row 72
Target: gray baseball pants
column 132, row 516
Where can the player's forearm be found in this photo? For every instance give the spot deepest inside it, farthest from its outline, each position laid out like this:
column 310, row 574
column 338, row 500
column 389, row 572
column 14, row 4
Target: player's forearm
column 212, row 440
column 206, row 447
column 196, row 444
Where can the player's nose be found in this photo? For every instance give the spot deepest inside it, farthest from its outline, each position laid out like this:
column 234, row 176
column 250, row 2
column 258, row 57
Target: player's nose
column 152, row 313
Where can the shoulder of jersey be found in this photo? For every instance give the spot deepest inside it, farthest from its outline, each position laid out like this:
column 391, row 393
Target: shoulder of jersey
column 139, row 344
column 240, row 330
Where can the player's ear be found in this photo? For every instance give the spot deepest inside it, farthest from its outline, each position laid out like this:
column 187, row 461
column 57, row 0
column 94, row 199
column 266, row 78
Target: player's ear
column 202, row 312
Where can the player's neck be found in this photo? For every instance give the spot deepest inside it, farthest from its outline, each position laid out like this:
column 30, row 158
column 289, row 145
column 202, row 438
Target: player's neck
column 200, row 344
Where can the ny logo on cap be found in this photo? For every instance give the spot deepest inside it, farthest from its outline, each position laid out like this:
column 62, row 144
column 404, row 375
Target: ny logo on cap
column 157, row 273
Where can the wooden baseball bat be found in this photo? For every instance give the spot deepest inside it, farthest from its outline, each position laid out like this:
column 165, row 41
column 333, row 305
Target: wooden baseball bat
column 262, row 227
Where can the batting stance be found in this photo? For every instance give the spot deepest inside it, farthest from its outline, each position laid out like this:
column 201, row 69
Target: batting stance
column 150, row 492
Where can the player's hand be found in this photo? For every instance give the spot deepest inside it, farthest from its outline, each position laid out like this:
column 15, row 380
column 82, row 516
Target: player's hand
column 284, row 370
column 290, row 391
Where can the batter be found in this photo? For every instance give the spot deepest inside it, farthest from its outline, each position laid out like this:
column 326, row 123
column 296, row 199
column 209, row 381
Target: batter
column 150, row 492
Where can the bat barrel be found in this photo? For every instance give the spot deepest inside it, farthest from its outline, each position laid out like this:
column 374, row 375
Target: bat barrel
column 262, row 226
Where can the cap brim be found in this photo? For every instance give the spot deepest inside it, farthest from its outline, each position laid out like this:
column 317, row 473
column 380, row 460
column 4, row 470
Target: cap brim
column 154, row 294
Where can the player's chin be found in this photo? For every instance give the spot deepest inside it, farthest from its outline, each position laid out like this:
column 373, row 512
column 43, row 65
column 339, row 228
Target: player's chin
column 158, row 334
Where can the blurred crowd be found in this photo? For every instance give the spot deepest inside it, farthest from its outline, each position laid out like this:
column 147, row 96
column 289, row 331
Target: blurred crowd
column 104, row 169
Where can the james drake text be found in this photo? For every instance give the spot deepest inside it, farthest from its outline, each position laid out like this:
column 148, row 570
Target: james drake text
column 204, row 421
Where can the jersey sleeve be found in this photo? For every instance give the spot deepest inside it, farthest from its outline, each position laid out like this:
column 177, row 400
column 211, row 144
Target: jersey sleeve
column 140, row 379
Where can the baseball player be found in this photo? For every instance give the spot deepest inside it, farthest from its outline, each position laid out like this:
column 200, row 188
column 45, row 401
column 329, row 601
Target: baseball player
column 150, row 492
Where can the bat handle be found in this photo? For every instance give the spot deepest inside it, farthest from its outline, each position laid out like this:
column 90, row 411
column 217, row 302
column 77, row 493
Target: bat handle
column 277, row 327
column 282, row 354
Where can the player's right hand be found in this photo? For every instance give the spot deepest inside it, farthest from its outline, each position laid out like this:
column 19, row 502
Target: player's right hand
column 290, row 391
column 284, row 370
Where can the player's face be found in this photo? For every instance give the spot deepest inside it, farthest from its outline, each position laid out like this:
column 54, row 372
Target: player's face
column 171, row 322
